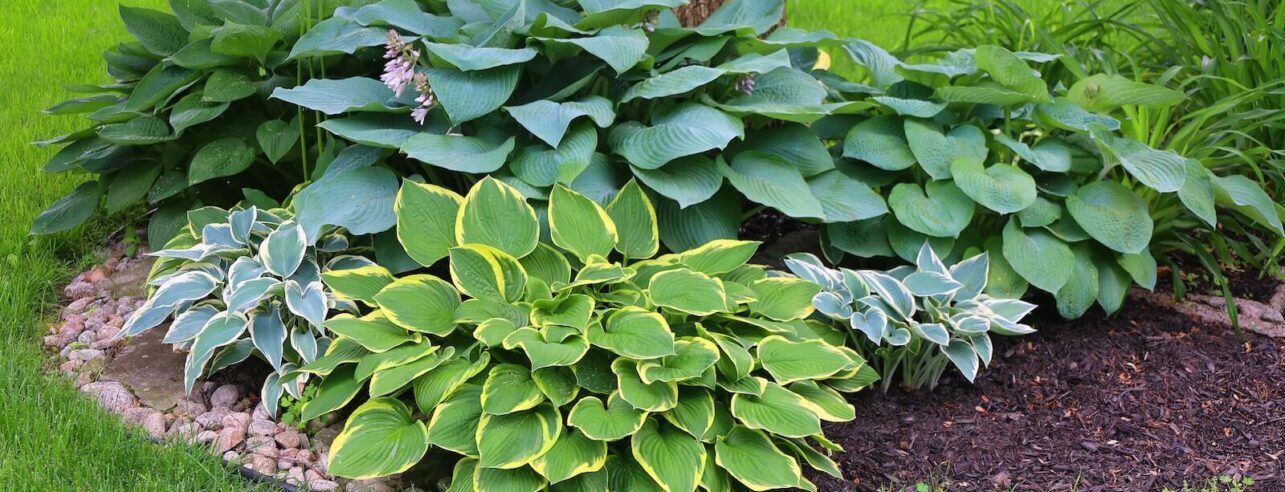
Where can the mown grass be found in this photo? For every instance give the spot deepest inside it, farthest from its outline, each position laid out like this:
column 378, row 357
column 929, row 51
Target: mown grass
column 50, row 437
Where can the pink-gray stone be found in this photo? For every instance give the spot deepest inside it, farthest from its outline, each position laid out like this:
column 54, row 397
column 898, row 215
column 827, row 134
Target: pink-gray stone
column 228, row 439
column 150, row 368
column 291, row 438
column 225, row 396
column 111, row 395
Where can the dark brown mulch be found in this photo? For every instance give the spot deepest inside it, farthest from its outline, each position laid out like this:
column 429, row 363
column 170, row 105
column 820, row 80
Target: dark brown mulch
column 1136, row 402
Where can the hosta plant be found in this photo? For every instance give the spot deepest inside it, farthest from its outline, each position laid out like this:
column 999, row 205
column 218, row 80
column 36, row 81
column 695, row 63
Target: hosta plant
column 917, row 321
column 582, row 362
column 187, row 120
column 240, row 284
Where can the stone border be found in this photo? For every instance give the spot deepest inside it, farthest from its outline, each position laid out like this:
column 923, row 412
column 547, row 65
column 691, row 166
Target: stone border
column 140, row 380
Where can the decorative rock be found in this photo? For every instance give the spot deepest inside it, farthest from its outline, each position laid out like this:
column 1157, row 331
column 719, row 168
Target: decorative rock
column 231, row 456
column 369, row 485
column 261, row 445
column 225, row 396
column 237, row 420
column 189, row 408
column 206, row 436
column 150, row 419
column 291, row 439
column 262, row 427
column 260, row 412
column 295, row 474
column 321, row 485
column 184, row 429
column 229, row 438
column 111, row 395
column 262, row 464
column 212, row 419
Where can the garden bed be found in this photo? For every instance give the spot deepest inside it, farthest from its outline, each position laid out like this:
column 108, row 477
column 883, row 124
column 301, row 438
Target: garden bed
column 1139, row 401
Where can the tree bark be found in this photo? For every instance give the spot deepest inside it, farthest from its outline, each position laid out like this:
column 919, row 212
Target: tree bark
column 697, row 11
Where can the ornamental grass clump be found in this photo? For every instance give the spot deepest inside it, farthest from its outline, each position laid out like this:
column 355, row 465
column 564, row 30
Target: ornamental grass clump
column 916, row 322
column 580, row 361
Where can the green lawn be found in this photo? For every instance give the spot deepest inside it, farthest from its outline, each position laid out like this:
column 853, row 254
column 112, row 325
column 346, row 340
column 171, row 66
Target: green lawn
column 50, row 437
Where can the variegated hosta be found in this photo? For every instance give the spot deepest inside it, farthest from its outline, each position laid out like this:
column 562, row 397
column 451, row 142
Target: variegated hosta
column 915, row 320
column 584, row 364
column 247, row 284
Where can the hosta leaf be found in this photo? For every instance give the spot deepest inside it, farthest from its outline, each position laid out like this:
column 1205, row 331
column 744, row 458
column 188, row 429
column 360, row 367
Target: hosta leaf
column 635, row 333
column 757, row 16
column 679, row 81
column 1010, row 71
column 1113, row 284
column 359, row 200
column 691, row 358
column 1113, row 215
column 676, row 131
column 910, row 107
column 942, row 210
column 778, row 411
column 241, row 40
column 1141, row 267
column 333, row 97
column 522, row 479
column 383, row 130
column 374, row 331
column 370, row 364
column 559, row 384
column 670, row 456
column 1161, row 170
column 1039, row 257
column 880, row 141
column 422, row 303
column 688, row 180
column 613, row 421
column 69, row 211
column 484, row 272
column 337, row 35
column 1003, row 188
column 1197, row 192
column 635, row 220
column 983, row 93
column 719, row 257
column 579, row 225
column 1104, row 93
column 192, row 110
column 143, row 130
column 1068, row 115
column 406, row 14
column 426, row 221
column 1246, row 197
column 783, row 298
column 336, row 390
column 282, row 251
column 794, row 143
column 471, row 58
column 229, row 85
column 694, row 413
column 771, row 181
column 458, row 153
column 962, row 356
column 828, row 404
column 1081, row 289
column 160, row 33
column 158, row 85
column 269, row 335
column 685, row 228
column 1050, row 155
column 390, row 380
column 574, row 454
column 549, row 120
column 380, row 438
column 541, row 166
column 936, row 151
column 658, row 396
column 509, row 389
column 276, row 138
column 572, row 311
column 621, row 48
column 497, row 215
column 688, row 291
column 361, row 283
column 788, row 361
column 750, row 457
column 544, row 352
column 603, row 13
column 513, row 440
column 844, row 199
column 471, row 95
column 130, row 185
column 454, row 422
column 444, row 380
column 220, row 158
column 547, row 264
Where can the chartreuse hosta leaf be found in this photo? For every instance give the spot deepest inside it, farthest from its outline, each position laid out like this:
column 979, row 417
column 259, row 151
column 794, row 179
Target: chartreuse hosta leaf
column 579, row 225
column 485, row 272
column 671, row 457
column 692, row 357
column 657, row 396
column 1103, row 93
column 688, row 291
column 380, row 438
column 778, row 411
column 495, row 214
column 573, row 455
column 358, row 283
column 783, row 299
column 515, row 439
column 422, row 303
column 426, row 221
column 634, row 332
column 509, row 389
column 788, row 361
column 611, row 421
column 374, row 331
column 635, row 219
column 554, row 346
column 751, row 458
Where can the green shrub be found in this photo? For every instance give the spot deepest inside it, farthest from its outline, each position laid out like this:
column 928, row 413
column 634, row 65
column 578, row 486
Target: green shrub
column 551, row 363
column 916, row 320
column 243, row 286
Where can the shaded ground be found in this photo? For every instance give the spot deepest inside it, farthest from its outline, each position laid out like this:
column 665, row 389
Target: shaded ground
column 1136, row 402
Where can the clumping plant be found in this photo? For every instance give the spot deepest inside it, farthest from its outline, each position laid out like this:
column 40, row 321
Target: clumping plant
column 583, row 361
column 242, row 284
column 917, row 321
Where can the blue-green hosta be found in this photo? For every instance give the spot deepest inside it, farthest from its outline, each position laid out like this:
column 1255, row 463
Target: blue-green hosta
column 240, row 284
column 583, row 361
column 916, row 320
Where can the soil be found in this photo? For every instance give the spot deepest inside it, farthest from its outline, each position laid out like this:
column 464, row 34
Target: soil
column 1140, row 401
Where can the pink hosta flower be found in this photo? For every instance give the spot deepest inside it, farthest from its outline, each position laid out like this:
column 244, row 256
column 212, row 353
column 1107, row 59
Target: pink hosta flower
column 746, row 85
column 426, row 98
column 400, row 69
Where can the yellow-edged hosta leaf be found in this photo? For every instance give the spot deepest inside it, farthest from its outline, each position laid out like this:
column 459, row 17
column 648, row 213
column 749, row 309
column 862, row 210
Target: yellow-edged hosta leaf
column 509, row 389
column 454, row 422
column 655, row 397
column 673, row 458
column 572, row 455
column 779, row 411
column 613, row 421
column 359, row 284
column 688, row 291
column 497, row 215
column 751, row 458
column 513, row 440
column 579, row 225
column 485, row 272
column 691, row 358
column 635, row 333
column 374, row 331
column 788, row 361
column 379, row 439
column 635, row 219
column 783, row 298
column 426, row 221
column 422, row 303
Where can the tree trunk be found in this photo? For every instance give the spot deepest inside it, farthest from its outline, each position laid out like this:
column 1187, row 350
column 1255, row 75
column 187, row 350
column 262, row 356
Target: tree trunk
column 697, row 11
